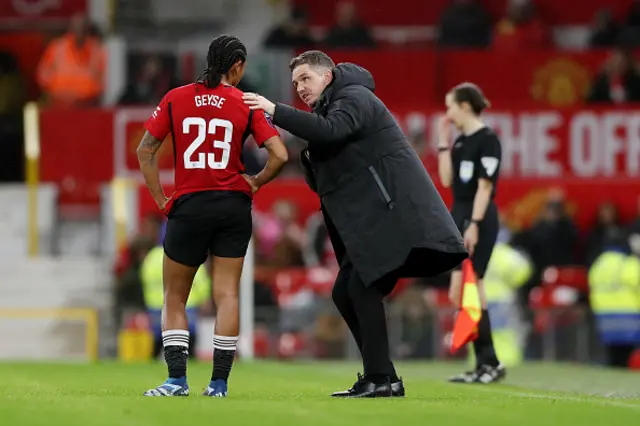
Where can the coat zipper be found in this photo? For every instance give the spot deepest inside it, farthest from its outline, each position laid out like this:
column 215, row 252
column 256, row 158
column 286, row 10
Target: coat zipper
column 382, row 188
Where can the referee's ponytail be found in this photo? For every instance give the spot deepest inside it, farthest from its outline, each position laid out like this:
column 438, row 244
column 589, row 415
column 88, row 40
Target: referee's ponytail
column 471, row 94
column 224, row 52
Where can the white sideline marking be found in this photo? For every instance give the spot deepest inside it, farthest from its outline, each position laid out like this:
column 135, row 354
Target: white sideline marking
column 561, row 398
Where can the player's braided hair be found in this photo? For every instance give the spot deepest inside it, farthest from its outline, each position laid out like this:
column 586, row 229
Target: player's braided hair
column 224, row 51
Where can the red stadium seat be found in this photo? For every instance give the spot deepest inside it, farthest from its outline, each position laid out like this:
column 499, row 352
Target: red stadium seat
column 290, row 345
column 634, row 360
column 321, row 280
column 261, row 344
column 546, row 299
column 422, row 13
column 288, row 283
column 575, row 277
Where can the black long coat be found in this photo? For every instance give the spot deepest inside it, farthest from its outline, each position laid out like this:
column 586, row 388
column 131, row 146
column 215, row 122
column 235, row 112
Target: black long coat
column 379, row 203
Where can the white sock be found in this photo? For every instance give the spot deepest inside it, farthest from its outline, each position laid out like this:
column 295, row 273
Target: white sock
column 225, row 343
column 175, row 338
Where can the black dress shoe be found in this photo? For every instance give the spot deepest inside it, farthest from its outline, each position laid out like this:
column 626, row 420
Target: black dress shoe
column 348, row 392
column 397, row 388
column 365, row 388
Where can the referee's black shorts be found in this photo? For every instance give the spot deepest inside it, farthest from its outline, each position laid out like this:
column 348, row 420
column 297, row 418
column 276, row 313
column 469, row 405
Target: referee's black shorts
column 487, row 233
column 209, row 222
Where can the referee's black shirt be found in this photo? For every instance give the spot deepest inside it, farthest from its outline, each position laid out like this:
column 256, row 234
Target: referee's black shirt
column 475, row 156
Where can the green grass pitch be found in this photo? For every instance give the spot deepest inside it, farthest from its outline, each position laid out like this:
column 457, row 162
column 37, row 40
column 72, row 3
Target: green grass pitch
column 269, row 393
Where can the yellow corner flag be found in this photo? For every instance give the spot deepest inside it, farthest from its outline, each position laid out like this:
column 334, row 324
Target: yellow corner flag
column 465, row 328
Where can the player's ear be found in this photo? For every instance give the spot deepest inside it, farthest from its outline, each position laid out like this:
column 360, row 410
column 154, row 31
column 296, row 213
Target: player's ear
column 237, row 69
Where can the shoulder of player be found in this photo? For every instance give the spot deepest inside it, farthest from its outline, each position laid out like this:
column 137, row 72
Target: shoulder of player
column 180, row 91
column 230, row 92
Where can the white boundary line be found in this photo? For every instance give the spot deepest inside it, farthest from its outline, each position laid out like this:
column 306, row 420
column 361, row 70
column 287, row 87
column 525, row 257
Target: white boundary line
column 560, row 397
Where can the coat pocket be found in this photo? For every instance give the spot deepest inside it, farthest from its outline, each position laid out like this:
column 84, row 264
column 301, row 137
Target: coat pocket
column 382, row 188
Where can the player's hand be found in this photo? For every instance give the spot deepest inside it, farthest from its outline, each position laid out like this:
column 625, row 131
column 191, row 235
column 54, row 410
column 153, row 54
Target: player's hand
column 256, row 101
column 162, row 204
column 471, row 238
column 252, row 183
column 444, row 132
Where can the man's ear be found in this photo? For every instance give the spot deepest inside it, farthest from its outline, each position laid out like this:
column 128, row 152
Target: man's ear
column 328, row 76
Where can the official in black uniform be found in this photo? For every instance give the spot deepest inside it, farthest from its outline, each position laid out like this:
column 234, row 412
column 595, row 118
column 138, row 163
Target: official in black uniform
column 384, row 216
column 471, row 168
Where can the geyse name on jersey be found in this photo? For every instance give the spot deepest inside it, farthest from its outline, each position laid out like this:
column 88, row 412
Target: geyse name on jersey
column 209, row 100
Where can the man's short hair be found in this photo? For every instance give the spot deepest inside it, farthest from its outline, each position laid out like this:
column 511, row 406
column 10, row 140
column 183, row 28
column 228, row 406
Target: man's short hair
column 313, row 58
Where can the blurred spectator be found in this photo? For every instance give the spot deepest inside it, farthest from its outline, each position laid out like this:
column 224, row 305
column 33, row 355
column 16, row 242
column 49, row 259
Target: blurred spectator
column 129, row 296
column 465, row 23
column 634, row 233
column 552, row 239
column 606, row 229
column 12, row 85
column 280, row 240
column 605, row 30
column 521, row 29
column 71, row 72
column 294, row 33
column 618, row 81
column 348, row 31
column 151, row 83
column 504, row 233
column 633, row 16
column 128, row 292
column 318, row 251
column 14, row 95
column 151, row 230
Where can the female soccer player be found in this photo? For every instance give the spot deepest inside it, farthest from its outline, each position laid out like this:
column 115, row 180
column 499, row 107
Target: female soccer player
column 210, row 211
column 471, row 168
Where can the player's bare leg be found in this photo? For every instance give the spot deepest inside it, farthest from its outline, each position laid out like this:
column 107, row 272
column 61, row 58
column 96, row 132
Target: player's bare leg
column 226, row 283
column 177, row 279
column 488, row 368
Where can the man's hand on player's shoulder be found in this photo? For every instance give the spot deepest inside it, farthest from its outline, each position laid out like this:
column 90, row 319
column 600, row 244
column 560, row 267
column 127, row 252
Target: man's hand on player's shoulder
column 256, row 101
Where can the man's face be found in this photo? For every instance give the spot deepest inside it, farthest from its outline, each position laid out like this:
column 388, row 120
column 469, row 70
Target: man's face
column 310, row 82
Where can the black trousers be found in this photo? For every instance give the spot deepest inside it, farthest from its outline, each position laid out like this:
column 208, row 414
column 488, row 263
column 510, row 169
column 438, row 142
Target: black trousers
column 363, row 310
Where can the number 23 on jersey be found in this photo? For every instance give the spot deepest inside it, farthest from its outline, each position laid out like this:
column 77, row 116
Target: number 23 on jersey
column 203, row 160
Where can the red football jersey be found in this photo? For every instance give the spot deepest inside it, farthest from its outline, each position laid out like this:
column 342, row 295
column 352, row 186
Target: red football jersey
column 209, row 127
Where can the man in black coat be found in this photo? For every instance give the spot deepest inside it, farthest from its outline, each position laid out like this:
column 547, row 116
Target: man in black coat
column 384, row 216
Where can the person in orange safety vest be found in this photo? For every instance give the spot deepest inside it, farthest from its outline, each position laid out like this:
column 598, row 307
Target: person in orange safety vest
column 71, row 71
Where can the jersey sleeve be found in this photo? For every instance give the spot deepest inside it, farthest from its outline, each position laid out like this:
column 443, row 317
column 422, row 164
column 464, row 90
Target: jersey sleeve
column 489, row 158
column 159, row 124
column 262, row 128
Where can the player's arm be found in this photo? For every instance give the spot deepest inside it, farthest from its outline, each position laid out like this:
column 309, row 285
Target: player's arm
column 278, row 157
column 266, row 135
column 158, row 127
column 445, row 167
column 146, row 151
column 488, row 165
